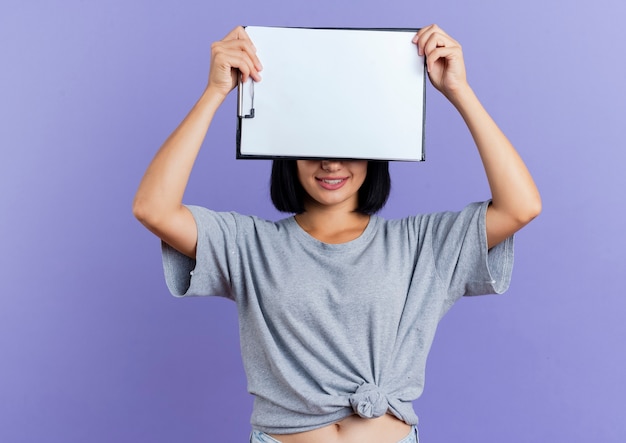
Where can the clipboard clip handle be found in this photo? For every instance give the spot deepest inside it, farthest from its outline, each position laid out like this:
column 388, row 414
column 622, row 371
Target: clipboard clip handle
column 249, row 100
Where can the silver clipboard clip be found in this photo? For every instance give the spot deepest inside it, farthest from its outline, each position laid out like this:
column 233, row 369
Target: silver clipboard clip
column 246, row 98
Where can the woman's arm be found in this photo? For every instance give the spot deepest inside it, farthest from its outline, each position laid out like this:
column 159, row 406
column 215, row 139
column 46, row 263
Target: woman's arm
column 515, row 198
column 158, row 201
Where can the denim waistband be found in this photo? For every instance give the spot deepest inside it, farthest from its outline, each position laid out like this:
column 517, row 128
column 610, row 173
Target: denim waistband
column 262, row 437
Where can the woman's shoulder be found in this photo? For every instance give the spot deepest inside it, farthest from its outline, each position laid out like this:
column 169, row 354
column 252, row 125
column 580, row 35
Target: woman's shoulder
column 432, row 218
column 237, row 220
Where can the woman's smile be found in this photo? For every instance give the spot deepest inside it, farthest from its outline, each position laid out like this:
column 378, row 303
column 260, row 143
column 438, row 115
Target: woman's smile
column 332, row 182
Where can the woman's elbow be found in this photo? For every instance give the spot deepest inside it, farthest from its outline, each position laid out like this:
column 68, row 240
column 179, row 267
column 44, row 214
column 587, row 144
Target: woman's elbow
column 144, row 212
column 530, row 211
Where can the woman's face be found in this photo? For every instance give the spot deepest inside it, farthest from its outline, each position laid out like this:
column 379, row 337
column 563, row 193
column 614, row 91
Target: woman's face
column 332, row 183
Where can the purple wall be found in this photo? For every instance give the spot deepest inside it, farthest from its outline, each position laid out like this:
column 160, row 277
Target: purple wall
column 92, row 347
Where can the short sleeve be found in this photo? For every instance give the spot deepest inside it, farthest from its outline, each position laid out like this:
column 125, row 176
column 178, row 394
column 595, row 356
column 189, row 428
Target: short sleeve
column 462, row 260
column 211, row 273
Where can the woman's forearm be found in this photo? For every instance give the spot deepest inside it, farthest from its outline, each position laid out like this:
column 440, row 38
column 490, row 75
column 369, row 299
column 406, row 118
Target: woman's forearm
column 515, row 198
column 163, row 185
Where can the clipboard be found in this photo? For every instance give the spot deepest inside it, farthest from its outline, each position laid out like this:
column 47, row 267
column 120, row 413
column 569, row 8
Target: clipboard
column 333, row 93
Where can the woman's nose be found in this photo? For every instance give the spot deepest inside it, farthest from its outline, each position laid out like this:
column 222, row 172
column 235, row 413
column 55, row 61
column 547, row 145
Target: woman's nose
column 331, row 165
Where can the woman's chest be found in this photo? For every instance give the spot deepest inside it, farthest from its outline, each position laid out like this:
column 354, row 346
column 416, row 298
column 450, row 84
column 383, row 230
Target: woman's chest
column 300, row 284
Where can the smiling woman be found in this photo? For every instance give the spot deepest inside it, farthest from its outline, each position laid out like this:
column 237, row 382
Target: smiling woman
column 332, row 192
column 330, row 189
column 288, row 194
column 337, row 307
column 329, row 183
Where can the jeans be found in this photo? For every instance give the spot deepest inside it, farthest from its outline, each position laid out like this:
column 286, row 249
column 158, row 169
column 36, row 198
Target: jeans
column 262, row 437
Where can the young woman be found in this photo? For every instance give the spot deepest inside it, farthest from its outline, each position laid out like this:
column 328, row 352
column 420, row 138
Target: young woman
column 337, row 307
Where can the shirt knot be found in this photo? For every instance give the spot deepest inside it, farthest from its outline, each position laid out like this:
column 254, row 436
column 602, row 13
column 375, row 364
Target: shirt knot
column 368, row 401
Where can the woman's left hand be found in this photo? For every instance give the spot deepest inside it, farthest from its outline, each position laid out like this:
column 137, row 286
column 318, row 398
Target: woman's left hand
column 444, row 60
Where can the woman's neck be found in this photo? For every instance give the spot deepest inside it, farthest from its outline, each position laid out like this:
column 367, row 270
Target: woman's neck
column 334, row 225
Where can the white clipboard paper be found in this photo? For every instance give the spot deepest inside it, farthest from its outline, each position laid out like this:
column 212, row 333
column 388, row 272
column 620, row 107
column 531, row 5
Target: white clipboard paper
column 333, row 93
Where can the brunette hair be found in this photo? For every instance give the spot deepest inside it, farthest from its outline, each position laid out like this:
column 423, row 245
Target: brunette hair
column 288, row 195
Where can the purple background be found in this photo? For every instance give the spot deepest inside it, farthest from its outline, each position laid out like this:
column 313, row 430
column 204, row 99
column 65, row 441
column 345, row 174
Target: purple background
column 92, row 347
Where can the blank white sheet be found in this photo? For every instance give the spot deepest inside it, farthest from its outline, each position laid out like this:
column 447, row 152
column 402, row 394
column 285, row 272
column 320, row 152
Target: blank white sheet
column 334, row 93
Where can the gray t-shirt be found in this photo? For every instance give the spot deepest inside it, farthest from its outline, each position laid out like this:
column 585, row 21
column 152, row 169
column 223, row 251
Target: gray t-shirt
column 329, row 330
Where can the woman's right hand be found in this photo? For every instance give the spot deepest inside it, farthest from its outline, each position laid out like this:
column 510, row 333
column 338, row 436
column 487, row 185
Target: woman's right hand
column 230, row 56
